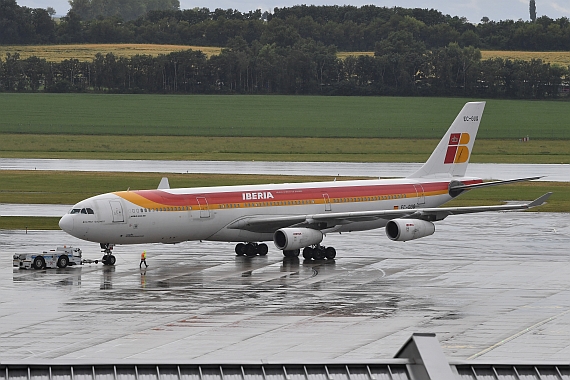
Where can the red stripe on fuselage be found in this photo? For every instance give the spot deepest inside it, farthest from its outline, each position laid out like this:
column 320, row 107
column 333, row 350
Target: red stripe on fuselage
column 298, row 194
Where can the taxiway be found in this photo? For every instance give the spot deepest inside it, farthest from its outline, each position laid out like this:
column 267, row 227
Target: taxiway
column 491, row 286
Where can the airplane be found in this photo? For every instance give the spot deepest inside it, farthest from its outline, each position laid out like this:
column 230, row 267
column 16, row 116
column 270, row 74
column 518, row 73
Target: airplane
column 294, row 216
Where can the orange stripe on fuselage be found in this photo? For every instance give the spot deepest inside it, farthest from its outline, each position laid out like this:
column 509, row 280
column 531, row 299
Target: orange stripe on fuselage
column 152, row 199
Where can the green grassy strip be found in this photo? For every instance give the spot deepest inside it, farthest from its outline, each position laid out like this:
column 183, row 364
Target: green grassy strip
column 53, row 187
column 559, row 202
column 28, row 223
column 47, row 187
column 271, row 149
column 272, row 116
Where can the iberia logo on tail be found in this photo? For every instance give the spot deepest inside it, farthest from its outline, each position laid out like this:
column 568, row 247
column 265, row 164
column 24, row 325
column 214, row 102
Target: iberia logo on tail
column 457, row 150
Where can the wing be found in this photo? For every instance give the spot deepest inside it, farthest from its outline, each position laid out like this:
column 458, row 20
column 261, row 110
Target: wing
column 269, row 224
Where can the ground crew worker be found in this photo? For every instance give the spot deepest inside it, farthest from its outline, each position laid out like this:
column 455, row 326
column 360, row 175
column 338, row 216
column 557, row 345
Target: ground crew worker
column 143, row 260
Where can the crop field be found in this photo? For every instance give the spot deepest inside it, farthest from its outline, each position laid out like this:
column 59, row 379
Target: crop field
column 560, row 58
column 345, row 54
column 273, row 116
column 86, row 52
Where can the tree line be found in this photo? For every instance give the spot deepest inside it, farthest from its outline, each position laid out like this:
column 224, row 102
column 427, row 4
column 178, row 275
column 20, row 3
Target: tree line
column 400, row 66
column 348, row 28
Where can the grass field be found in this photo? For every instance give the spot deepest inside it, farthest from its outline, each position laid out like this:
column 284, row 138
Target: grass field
column 37, row 188
column 86, row 52
column 28, row 223
column 273, row 116
column 271, row 149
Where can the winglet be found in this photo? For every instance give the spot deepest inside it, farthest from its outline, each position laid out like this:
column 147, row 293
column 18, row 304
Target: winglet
column 540, row 200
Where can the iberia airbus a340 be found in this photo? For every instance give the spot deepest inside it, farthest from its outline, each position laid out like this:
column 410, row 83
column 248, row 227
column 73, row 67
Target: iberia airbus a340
column 294, row 216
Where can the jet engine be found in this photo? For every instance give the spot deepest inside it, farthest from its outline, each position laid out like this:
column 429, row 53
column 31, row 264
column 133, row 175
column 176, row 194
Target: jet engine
column 288, row 239
column 408, row 229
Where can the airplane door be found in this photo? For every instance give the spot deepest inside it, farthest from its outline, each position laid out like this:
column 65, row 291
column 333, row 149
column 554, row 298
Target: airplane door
column 117, row 211
column 204, row 208
column 420, row 194
column 327, row 202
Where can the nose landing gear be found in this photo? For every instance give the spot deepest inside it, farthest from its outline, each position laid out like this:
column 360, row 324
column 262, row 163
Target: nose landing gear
column 108, row 258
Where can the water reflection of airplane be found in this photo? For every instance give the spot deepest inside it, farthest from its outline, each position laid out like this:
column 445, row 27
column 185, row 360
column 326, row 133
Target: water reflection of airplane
column 295, row 216
column 107, row 278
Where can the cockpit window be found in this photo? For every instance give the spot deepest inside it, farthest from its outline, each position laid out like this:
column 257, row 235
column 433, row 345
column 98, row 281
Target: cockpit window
column 86, row 210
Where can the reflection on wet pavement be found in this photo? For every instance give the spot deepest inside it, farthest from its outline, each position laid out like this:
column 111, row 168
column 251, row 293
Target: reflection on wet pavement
column 476, row 282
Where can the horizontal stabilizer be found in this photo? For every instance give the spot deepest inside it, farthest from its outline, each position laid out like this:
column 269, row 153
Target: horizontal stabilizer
column 459, row 187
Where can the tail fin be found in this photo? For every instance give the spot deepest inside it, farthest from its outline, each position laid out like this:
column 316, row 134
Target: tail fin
column 451, row 156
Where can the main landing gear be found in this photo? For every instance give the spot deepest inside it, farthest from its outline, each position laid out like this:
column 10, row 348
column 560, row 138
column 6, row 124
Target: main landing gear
column 108, row 258
column 251, row 249
column 318, row 252
column 315, row 252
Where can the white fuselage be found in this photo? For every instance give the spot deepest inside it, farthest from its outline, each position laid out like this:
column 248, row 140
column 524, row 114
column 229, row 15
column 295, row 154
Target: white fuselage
column 176, row 215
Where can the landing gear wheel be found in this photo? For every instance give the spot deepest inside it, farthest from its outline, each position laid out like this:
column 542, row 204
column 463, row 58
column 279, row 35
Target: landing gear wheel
column 330, row 253
column 240, row 249
column 308, row 253
column 108, row 258
column 319, row 253
column 62, row 261
column 262, row 249
column 292, row 253
column 250, row 250
column 39, row 263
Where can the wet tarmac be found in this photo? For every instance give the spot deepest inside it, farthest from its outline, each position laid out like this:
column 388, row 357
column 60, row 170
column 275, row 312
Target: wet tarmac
column 41, row 210
column 556, row 173
column 490, row 285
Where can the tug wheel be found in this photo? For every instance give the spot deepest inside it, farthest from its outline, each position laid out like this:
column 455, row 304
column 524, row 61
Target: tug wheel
column 62, row 261
column 39, row 263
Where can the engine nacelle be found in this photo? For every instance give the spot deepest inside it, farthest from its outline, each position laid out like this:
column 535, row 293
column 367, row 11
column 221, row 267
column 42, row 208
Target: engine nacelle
column 408, row 229
column 288, row 239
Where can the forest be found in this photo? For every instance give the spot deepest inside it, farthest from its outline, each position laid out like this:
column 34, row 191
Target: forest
column 293, row 50
column 348, row 28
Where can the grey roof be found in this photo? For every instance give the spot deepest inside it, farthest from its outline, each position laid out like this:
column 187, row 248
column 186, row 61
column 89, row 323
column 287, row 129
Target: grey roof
column 421, row 358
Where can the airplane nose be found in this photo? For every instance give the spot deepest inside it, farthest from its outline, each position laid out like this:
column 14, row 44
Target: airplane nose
column 66, row 223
